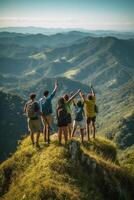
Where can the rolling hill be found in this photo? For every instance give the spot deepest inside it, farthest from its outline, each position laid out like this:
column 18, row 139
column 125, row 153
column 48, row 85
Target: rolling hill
column 40, row 40
column 33, row 62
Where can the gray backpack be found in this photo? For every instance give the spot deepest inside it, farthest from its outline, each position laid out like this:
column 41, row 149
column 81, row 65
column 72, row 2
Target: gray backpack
column 30, row 109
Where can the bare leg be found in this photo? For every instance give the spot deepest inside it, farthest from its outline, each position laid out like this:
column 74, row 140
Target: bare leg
column 69, row 130
column 94, row 129
column 88, row 135
column 82, row 134
column 48, row 134
column 37, row 138
column 60, row 135
column 90, row 128
column 44, row 132
column 65, row 132
column 49, row 120
column 74, row 129
column 32, row 138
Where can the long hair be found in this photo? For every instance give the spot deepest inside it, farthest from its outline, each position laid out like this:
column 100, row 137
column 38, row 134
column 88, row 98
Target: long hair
column 66, row 97
column 61, row 102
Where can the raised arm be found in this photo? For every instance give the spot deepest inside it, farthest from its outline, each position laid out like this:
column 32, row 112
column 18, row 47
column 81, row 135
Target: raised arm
column 54, row 91
column 92, row 90
column 73, row 96
column 25, row 107
column 55, row 86
column 82, row 96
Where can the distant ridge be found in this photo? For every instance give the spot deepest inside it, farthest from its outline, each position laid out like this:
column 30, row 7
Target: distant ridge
column 51, row 31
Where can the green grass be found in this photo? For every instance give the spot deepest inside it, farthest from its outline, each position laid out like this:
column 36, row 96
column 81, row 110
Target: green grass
column 102, row 146
column 50, row 173
column 126, row 158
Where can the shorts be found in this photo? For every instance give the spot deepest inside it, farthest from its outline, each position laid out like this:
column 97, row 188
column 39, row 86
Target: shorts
column 69, row 118
column 47, row 120
column 91, row 119
column 34, row 126
column 80, row 124
column 62, row 121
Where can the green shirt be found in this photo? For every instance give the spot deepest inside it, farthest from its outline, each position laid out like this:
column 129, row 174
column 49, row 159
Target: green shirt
column 68, row 107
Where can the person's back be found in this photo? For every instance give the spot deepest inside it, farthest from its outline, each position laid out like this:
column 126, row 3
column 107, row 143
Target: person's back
column 78, row 112
column 61, row 114
column 46, row 108
column 78, row 119
column 32, row 110
column 89, row 106
column 46, row 103
column 62, row 120
column 68, row 102
column 90, row 111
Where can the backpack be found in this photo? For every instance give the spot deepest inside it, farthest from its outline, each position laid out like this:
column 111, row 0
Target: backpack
column 79, row 114
column 96, row 108
column 31, row 109
column 61, row 114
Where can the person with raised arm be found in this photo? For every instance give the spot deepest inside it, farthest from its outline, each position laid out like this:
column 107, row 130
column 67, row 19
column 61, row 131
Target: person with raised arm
column 46, row 108
column 62, row 120
column 68, row 102
column 90, row 113
column 78, row 119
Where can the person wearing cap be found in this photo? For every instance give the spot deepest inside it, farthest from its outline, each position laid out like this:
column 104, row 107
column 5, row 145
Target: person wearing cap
column 89, row 108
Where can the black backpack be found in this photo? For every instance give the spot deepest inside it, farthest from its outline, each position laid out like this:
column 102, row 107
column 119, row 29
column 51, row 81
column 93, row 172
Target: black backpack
column 61, row 113
column 79, row 115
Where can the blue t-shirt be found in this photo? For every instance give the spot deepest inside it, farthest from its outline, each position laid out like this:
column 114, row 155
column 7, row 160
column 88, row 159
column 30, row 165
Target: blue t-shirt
column 46, row 105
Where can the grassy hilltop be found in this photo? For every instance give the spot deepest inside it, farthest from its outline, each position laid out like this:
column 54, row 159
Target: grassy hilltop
column 75, row 172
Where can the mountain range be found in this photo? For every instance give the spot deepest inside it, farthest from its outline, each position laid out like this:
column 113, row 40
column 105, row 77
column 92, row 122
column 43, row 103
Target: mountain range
column 32, row 63
column 98, row 169
column 52, row 31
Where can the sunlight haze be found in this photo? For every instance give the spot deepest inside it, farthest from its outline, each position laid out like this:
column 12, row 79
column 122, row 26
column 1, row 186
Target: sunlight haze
column 87, row 14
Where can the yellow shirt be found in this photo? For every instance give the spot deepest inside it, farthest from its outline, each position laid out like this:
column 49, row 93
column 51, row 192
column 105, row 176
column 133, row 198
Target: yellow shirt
column 89, row 107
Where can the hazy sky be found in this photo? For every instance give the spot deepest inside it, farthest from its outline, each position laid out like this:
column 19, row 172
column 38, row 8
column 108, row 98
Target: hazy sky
column 88, row 14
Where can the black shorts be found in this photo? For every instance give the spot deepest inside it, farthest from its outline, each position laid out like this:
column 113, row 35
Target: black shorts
column 91, row 119
column 69, row 118
column 62, row 123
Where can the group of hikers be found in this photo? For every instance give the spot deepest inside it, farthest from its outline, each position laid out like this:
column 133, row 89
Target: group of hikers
column 41, row 112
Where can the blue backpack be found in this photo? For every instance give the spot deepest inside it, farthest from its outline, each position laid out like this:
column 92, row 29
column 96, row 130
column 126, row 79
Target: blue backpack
column 79, row 114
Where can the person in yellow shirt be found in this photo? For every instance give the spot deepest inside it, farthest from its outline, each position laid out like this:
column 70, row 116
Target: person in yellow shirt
column 89, row 108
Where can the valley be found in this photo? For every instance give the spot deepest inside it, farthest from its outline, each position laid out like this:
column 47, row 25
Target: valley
column 32, row 63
